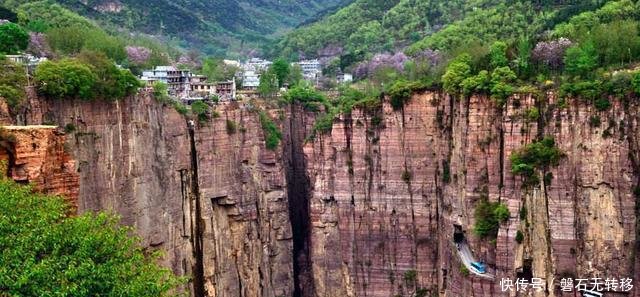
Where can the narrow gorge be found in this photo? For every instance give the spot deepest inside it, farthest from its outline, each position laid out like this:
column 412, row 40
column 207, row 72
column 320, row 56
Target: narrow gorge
column 369, row 209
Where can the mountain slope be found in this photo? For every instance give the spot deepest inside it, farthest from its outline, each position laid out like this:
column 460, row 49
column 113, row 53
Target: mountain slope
column 214, row 26
column 372, row 26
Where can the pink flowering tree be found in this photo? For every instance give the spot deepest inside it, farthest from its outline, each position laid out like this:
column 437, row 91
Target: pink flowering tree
column 551, row 53
column 38, row 45
column 138, row 54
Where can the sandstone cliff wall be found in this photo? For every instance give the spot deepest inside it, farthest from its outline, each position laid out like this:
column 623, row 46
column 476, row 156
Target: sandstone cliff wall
column 134, row 157
column 369, row 209
column 385, row 198
column 37, row 155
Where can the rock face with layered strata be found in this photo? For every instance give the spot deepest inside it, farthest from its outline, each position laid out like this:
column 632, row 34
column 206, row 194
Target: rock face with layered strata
column 37, row 155
column 384, row 199
column 369, row 209
column 134, row 157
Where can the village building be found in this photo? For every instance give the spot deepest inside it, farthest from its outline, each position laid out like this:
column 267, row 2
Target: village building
column 344, row 78
column 256, row 65
column 250, row 81
column 226, row 90
column 200, row 87
column 178, row 81
column 311, row 70
column 233, row 63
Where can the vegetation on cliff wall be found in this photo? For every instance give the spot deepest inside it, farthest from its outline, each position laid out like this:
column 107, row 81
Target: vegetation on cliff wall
column 488, row 216
column 272, row 134
column 538, row 155
column 47, row 253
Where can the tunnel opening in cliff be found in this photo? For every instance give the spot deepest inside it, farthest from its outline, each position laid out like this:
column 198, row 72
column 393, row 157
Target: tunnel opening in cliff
column 298, row 191
column 458, row 235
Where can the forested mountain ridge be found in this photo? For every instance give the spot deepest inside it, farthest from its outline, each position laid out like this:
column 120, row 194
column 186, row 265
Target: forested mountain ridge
column 214, row 26
column 366, row 27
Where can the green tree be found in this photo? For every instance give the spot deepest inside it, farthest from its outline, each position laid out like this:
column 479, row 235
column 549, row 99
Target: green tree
column 66, row 79
column 581, row 59
column 161, row 91
column 13, row 80
column 501, row 87
column 47, row 253
column 488, row 216
column 368, row 37
column 295, row 75
column 216, row 70
column 268, row 84
column 457, row 71
column 498, row 55
column 281, row 69
column 272, row 134
column 13, row 39
column 307, row 96
column 618, row 42
column 201, row 110
column 536, row 155
column 635, row 82
column 112, row 83
column 67, row 41
column 480, row 83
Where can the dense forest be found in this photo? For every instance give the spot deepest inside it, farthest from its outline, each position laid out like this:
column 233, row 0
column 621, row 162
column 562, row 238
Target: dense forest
column 215, row 27
column 367, row 27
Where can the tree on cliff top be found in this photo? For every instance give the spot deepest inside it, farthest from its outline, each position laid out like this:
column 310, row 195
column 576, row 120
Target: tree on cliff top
column 13, row 39
column 44, row 252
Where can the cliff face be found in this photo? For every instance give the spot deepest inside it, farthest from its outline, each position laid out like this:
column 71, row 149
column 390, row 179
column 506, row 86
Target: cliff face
column 385, row 199
column 369, row 209
column 135, row 157
column 37, row 155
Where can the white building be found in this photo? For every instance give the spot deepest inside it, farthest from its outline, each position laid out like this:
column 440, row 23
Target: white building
column 311, row 69
column 256, row 65
column 232, row 63
column 31, row 62
column 344, row 78
column 178, row 81
column 250, row 80
column 25, row 59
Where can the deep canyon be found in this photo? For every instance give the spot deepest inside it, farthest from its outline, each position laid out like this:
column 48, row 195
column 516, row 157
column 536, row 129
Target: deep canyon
column 369, row 209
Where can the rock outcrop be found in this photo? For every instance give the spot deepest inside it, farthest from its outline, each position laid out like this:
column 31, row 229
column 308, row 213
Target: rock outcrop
column 369, row 209
column 37, row 155
column 134, row 157
column 386, row 198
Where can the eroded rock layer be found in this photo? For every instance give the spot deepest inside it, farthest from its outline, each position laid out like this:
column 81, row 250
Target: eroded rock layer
column 386, row 197
column 369, row 209
column 134, row 157
column 37, row 155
